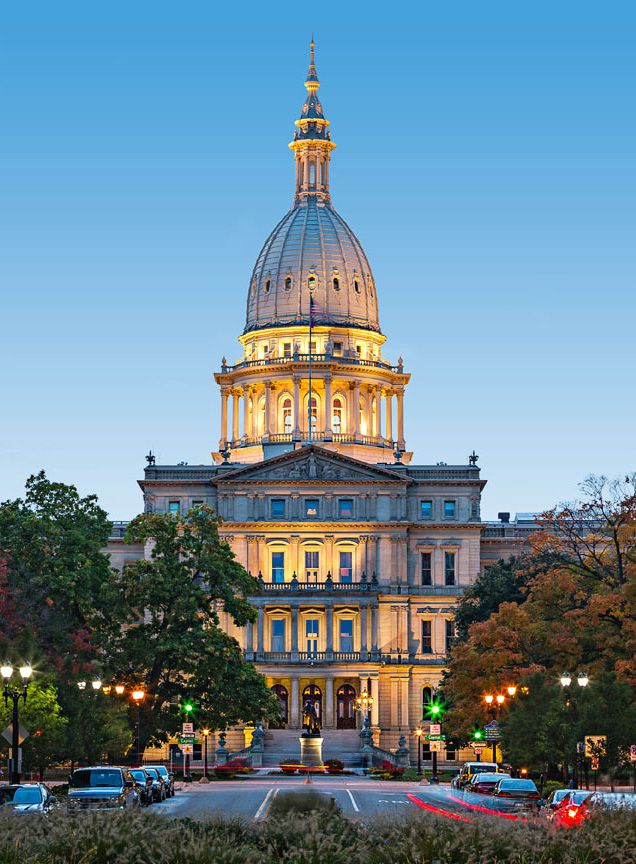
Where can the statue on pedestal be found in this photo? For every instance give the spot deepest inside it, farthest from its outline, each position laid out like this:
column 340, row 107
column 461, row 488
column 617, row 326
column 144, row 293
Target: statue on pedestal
column 311, row 725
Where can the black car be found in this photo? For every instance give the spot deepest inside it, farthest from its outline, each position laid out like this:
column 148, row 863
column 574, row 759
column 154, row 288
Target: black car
column 159, row 789
column 102, row 788
column 143, row 779
column 168, row 779
column 518, row 795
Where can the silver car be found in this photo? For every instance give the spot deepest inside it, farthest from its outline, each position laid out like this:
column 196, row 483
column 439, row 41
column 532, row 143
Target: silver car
column 25, row 798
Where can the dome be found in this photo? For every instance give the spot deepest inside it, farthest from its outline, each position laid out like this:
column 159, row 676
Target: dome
column 312, row 253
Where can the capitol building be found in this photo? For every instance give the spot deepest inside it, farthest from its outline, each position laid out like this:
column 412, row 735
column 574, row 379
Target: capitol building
column 361, row 552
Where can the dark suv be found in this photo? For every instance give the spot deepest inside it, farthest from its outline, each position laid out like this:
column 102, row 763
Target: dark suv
column 102, row 788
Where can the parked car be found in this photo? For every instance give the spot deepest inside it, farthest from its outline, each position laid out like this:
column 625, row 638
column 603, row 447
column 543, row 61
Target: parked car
column 598, row 802
column 168, row 779
column 102, row 788
column 484, row 783
column 27, row 798
column 470, row 768
column 566, row 812
column 521, row 795
column 143, row 779
column 159, row 788
column 553, row 801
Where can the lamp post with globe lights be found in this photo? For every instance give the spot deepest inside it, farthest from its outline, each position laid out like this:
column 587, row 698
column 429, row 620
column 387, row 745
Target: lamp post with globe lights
column 15, row 693
column 565, row 679
column 138, row 697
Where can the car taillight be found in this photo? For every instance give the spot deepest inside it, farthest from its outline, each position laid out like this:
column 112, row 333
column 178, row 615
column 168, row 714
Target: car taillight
column 572, row 811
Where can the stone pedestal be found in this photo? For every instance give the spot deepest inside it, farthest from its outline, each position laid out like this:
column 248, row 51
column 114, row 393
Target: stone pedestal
column 311, row 751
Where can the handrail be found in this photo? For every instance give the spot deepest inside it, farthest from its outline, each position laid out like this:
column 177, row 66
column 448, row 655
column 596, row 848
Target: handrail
column 315, row 358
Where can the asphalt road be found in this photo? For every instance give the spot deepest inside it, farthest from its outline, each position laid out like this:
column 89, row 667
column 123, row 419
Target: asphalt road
column 357, row 797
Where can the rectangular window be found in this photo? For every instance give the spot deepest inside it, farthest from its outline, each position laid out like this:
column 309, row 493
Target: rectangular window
column 312, row 566
column 346, row 566
column 427, row 637
column 278, row 567
column 277, row 507
column 426, row 509
column 278, row 634
column 287, row 349
column 359, row 350
column 449, row 568
column 346, row 634
column 311, row 634
column 449, row 509
column 345, row 507
column 311, row 507
column 337, row 349
column 450, row 633
column 197, row 503
column 312, row 347
column 174, row 507
column 426, row 559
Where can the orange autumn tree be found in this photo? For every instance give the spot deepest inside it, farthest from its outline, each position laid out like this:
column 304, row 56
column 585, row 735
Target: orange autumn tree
column 577, row 612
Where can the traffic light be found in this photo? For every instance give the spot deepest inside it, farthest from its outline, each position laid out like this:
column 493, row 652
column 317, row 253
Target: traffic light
column 188, row 708
column 435, row 710
column 477, row 734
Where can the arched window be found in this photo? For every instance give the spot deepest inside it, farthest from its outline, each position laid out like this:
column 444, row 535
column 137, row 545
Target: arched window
column 336, row 417
column 311, row 282
column 260, row 420
column 288, row 283
column 312, row 173
column 356, row 286
column 268, row 283
column 313, row 413
column 280, row 691
column 362, row 422
column 336, row 283
column 427, row 698
column 287, row 415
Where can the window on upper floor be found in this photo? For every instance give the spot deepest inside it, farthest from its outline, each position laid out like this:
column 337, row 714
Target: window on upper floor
column 198, row 502
column 337, row 349
column 288, row 283
column 287, row 349
column 449, row 568
column 346, row 566
column 277, row 508
column 336, row 417
column 278, row 634
column 426, row 567
column 311, row 634
column 449, row 509
column 449, row 633
column 312, row 565
column 287, row 416
column 359, row 350
column 345, row 508
column 174, row 508
column 268, row 285
column 427, row 637
column 278, row 567
column 336, row 283
column 346, row 634
column 426, row 509
column 312, row 507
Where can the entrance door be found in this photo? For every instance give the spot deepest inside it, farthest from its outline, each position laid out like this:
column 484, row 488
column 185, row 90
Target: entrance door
column 346, row 707
column 314, row 693
column 280, row 691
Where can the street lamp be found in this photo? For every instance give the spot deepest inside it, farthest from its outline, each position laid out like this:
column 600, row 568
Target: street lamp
column 96, row 684
column 418, row 732
column 138, row 698
column 206, row 733
column 119, row 689
column 582, row 679
column 15, row 694
column 512, row 690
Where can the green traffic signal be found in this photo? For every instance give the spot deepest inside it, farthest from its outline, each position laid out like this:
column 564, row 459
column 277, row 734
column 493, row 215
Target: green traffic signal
column 477, row 734
column 435, row 710
column 188, row 707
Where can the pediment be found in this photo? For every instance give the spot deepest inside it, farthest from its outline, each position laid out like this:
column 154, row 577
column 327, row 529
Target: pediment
column 312, row 464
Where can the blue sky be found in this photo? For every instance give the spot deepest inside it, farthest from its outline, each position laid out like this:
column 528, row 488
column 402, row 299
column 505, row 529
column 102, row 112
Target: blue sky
column 486, row 160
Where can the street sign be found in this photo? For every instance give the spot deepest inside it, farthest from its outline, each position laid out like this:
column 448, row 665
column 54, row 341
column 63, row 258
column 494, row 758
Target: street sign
column 436, row 746
column 436, row 737
column 186, row 739
column 632, row 752
column 595, row 745
column 580, row 747
column 595, row 763
column 23, row 733
column 187, row 728
column 478, row 747
column 435, row 729
column 187, row 749
column 491, row 734
column 492, row 725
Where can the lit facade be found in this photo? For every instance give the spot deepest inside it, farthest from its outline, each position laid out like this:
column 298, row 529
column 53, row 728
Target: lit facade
column 361, row 554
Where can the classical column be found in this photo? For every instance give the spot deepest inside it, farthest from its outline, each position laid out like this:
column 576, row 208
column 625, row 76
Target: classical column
column 246, row 411
column 260, row 640
column 266, row 430
column 329, row 701
column 235, row 414
column 400, row 416
column 404, row 714
column 327, row 426
column 374, row 628
column 329, row 633
column 295, row 559
column 375, row 693
column 294, row 720
column 224, row 397
column 328, row 565
column 296, row 406
column 294, row 629
column 249, row 647
column 389, row 415
column 378, row 412
column 363, row 629
column 356, row 408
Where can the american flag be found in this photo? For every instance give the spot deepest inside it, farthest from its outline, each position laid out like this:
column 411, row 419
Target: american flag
column 314, row 311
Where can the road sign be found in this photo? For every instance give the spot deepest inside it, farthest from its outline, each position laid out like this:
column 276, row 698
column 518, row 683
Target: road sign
column 632, row 752
column 187, row 749
column 491, row 734
column 478, row 747
column 436, row 746
column 186, row 739
column 595, row 745
column 492, row 725
column 187, row 728
column 580, row 747
column 23, row 733
column 435, row 729
column 436, row 737
column 594, row 763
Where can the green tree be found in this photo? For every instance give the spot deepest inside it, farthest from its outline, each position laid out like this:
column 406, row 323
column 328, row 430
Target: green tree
column 42, row 716
column 501, row 582
column 98, row 725
column 172, row 643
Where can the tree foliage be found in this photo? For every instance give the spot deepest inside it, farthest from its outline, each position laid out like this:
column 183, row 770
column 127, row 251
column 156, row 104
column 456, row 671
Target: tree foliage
column 42, row 716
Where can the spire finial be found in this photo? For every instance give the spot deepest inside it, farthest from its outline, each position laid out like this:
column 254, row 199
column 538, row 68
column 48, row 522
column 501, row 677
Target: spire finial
column 312, row 45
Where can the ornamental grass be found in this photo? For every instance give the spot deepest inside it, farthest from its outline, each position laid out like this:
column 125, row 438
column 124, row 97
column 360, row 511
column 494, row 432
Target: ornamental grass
column 292, row 837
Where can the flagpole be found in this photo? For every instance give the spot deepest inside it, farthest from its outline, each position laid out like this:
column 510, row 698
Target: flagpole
column 311, row 321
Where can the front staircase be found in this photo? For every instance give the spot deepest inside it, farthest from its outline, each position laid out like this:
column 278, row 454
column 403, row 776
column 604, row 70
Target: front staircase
column 343, row 744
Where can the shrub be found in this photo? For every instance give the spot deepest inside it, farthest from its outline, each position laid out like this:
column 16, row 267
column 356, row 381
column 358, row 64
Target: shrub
column 334, row 766
column 289, row 765
column 302, row 802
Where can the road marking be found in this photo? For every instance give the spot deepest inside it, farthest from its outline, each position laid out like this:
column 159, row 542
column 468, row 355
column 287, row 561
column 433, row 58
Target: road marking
column 262, row 810
column 353, row 801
